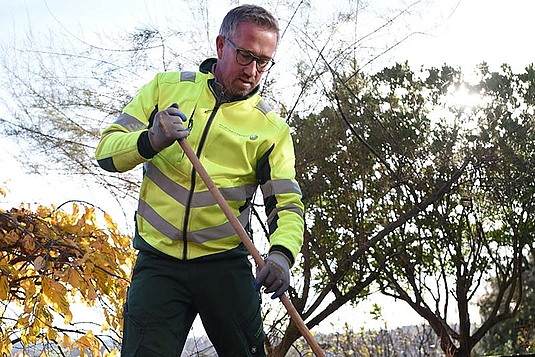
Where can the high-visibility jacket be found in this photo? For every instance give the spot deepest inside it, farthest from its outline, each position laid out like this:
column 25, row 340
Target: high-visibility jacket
column 241, row 143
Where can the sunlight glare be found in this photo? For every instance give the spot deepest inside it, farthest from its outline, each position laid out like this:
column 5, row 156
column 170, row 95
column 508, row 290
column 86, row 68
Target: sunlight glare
column 462, row 98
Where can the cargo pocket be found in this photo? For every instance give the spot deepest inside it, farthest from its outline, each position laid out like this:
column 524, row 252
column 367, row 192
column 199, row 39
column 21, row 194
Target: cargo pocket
column 148, row 336
column 254, row 334
column 132, row 334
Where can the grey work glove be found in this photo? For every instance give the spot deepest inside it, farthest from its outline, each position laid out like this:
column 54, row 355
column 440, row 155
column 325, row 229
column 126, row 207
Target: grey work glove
column 275, row 275
column 167, row 128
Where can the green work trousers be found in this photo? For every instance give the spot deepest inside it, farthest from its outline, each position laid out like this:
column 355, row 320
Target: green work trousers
column 166, row 294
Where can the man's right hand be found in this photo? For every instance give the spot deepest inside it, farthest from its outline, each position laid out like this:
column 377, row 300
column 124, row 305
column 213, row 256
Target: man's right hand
column 167, row 128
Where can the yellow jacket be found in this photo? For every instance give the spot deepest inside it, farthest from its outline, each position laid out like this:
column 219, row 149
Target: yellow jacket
column 242, row 144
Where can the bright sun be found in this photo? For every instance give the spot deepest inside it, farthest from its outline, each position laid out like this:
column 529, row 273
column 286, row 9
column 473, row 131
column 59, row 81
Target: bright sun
column 461, row 97
column 465, row 102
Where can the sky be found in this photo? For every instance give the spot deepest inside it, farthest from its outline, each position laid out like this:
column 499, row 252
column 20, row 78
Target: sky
column 457, row 32
column 466, row 33
column 479, row 30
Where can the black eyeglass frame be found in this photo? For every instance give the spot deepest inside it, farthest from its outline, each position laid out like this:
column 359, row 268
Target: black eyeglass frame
column 245, row 58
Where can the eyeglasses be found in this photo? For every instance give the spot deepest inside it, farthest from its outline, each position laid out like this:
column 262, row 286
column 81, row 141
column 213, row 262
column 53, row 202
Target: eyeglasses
column 244, row 58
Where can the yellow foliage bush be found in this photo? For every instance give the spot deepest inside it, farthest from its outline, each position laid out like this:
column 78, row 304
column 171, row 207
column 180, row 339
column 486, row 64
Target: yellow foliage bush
column 50, row 260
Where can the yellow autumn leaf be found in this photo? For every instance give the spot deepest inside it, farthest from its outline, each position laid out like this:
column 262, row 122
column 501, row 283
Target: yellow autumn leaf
column 75, row 210
column 51, row 334
column 34, row 331
column 52, row 287
column 28, row 286
column 4, row 266
column 25, row 339
column 42, row 211
column 113, row 353
column 109, row 222
column 39, row 263
column 62, row 306
column 90, row 342
column 23, row 320
column 54, row 294
column 67, row 316
column 11, row 237
column 29, row 242
column 91, row 293
column 74, row 278
column 5, row 344
column 66, row 341
column 4, row 287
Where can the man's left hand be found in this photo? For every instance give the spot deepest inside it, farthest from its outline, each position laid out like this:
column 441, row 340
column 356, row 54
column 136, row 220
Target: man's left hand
column 275, row 275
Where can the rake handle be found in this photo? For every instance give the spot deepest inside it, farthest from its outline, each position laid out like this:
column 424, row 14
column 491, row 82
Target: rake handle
column 248, row 243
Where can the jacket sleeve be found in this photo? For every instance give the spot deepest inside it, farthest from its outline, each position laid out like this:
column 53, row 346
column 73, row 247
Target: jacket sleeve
column 125, row 143
column 282, row 196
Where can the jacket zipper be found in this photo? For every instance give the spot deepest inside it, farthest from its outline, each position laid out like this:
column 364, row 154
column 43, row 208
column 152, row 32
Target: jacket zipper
column 192, row 182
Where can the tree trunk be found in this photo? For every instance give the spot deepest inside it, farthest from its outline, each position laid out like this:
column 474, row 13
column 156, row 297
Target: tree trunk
column 290, row 336
column 462, row 352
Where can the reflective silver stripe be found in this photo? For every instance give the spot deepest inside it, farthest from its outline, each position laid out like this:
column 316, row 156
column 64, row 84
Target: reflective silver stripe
column 157, row 221
column 275, row 187
column 293, row 208
column 263, row 106
column 203, row 199
column 130, row 123
column 170, row 187
column 187, row 76
column 200, row 199
column 199, row 236
column 241, row 193
column 222, row 231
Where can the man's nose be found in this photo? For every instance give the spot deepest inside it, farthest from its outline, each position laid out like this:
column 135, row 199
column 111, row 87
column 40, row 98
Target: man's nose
column 251, row 69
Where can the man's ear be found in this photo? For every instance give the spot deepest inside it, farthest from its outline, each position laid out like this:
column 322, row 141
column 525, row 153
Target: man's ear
column 219, row 43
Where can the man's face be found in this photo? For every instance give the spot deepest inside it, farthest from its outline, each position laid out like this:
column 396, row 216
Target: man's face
column 239, row 80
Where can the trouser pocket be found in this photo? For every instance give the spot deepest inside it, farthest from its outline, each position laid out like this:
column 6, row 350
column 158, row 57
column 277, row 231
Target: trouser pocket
column 254, row 335
column 132, row 334
column 145, row 335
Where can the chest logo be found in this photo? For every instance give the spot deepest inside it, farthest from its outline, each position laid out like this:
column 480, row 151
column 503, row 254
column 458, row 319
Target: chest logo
column 234, row 132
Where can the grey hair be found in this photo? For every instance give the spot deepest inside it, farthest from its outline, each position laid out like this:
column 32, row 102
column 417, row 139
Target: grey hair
column 248, row 13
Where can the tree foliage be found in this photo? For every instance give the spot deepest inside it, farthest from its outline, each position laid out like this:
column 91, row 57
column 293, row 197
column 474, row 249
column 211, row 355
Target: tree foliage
column 517, row 334
column 52, row 261
column 423, row 195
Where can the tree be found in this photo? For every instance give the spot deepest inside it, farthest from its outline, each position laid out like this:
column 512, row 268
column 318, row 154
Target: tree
column 430, row 210
column 52, row 260
column 357, row 185
column 515, row 335
column 382, row 158
column 481, row 229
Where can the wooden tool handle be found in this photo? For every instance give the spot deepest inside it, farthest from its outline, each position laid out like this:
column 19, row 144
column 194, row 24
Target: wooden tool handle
column 294, row 314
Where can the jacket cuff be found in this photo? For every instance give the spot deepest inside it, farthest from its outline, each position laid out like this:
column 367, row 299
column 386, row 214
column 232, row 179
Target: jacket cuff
column 144, row 147
column 285, row 251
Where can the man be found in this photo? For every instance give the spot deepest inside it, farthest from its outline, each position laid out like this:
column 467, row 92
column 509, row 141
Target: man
column 190, row 261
